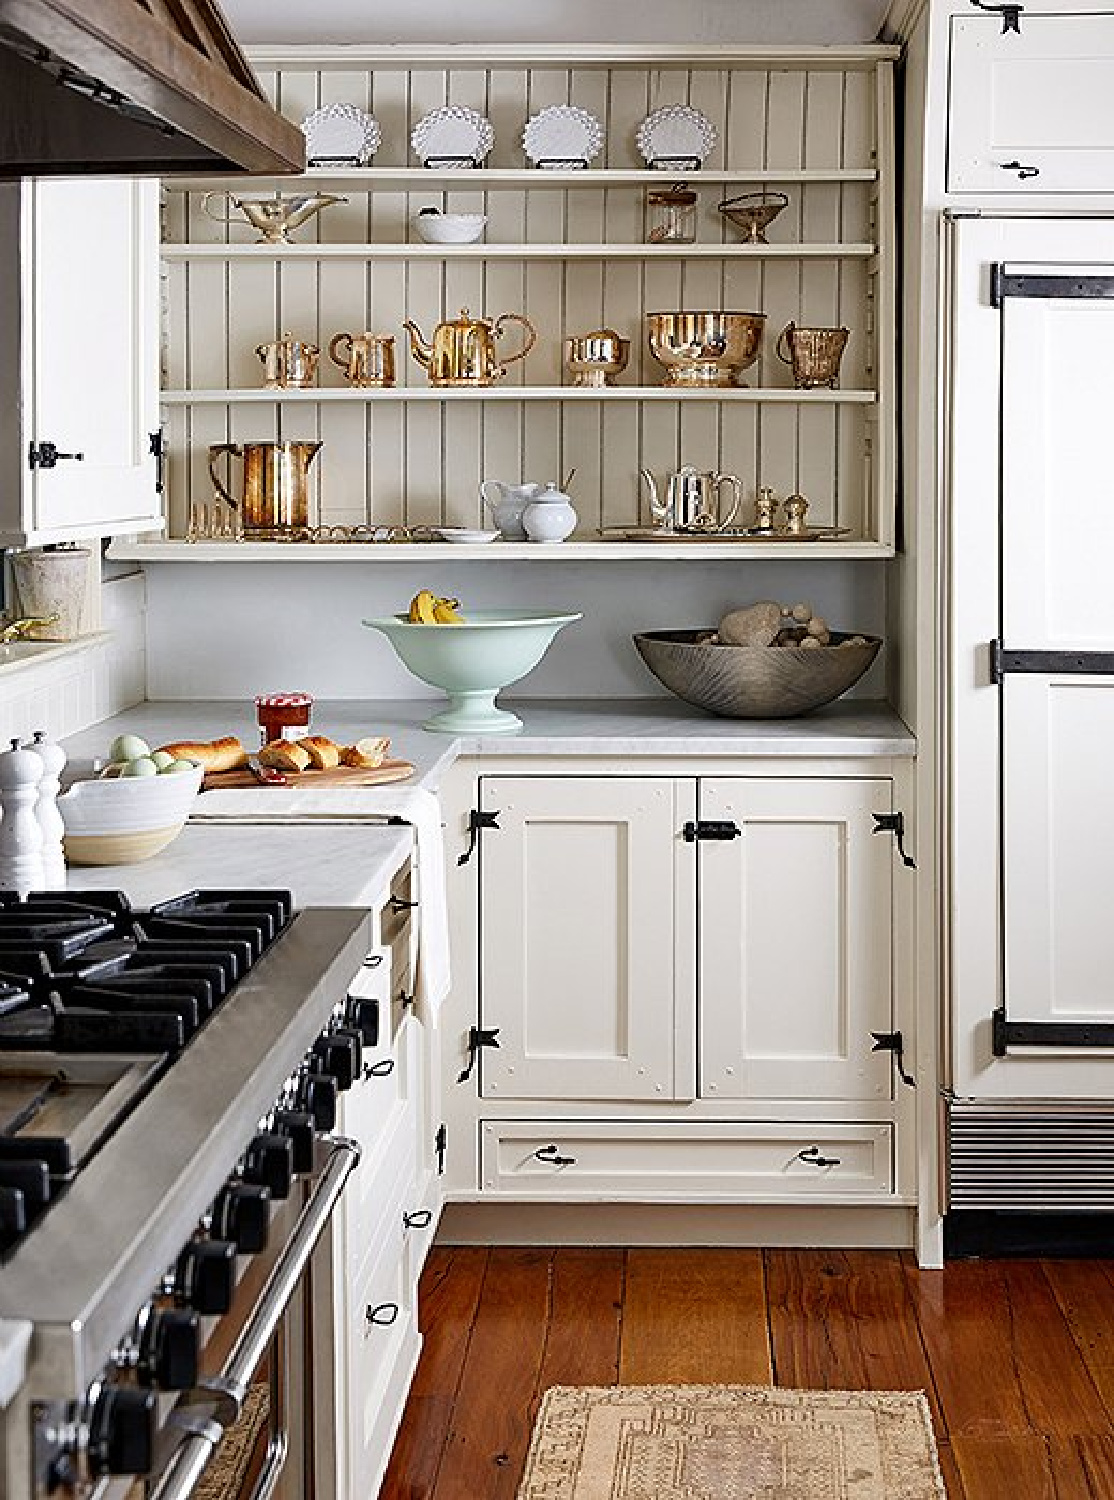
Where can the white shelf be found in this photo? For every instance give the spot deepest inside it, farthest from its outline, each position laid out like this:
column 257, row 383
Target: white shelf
column 417, row 252
column 128, row 550
column 755, row 394
column 484, row 179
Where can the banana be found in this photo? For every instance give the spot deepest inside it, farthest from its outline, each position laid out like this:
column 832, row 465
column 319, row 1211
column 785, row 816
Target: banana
column 445, row 612
column 426, row 608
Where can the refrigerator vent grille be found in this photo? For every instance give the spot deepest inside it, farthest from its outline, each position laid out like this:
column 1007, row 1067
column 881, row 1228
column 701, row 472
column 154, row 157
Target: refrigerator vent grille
column 1056, row 1157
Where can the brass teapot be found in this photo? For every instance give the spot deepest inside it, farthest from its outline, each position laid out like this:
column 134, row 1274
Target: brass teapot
column 273, row 217
column 462, row 352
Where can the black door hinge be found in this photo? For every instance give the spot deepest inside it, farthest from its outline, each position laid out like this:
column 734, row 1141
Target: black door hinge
column 476, row 821
column 440, row 1146
column 1011, row 14
column 1007, row 1034
column 891, row 1041
column 705, row 829
column 47, row 456
column 157, row 450
column 478, row 1037
column 1005, row 662
column 894, row 822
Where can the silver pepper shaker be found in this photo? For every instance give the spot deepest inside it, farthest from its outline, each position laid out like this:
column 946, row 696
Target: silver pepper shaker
column 53, row 758
column 21, row 838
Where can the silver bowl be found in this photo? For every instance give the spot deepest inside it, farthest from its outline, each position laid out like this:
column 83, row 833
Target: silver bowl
column 753, row 682
column 705, row 348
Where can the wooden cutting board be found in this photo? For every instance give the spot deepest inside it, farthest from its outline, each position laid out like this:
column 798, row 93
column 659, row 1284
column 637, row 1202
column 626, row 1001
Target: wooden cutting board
column 390, row 770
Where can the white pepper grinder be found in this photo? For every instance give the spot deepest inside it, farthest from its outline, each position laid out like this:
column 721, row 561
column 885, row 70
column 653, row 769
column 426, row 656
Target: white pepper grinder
column 53, row 758
column 21, row 838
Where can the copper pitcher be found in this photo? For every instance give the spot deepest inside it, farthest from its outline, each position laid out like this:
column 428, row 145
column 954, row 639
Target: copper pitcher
column 276, row 486
column 462, row 352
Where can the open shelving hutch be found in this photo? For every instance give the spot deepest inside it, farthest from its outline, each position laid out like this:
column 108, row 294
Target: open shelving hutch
column 567, row 249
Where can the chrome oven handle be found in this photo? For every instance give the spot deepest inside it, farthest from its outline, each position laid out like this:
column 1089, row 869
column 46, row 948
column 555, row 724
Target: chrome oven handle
column 185, row 1469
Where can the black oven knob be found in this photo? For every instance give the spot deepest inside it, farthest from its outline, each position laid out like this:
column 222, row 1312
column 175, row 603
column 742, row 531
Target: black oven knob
column 297, row 1126
column 353, row 1035
column 363, row 1014
column 206, row 1276
column 13, row 1215
column 318, row 1094
column 122, row 1431
column 269, row 1161
column 336, row 1056
column 242, row 1213
column 170, row 1353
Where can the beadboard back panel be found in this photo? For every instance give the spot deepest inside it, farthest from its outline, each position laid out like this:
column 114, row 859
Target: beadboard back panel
column 389, row 460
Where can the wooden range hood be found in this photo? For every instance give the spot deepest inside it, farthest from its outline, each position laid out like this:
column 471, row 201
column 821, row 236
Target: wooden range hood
column 132, row 87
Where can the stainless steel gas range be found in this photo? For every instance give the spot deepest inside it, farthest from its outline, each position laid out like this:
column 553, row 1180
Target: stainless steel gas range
column 168, row 1092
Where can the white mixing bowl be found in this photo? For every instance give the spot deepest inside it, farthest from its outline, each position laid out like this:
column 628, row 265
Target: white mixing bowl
column 121, row 820
column 450, row 229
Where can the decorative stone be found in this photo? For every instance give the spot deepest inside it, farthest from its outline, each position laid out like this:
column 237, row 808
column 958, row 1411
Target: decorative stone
column 802, row 613
column 754, row 626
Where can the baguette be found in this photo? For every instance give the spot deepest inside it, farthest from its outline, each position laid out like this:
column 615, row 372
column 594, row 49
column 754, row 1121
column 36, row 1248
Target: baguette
column 323, row 754
column 226, row 754
column 284, row 755
column 365, row 754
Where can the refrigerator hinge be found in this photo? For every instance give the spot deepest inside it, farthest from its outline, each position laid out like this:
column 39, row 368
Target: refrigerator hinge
column 440, row 1146
column 996, row 663
column 477, row 820
column 1006, row 1034
column 892, row 1042
column 1011, row 14
column 894, row 822
column 478, row 1036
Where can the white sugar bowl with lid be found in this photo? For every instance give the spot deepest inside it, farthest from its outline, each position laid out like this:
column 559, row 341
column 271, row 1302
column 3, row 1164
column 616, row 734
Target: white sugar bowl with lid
column 550, row 516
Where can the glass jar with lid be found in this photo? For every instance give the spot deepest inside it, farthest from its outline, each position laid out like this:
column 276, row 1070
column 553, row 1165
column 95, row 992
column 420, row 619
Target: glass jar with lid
column 671, row 215
column 283, row 716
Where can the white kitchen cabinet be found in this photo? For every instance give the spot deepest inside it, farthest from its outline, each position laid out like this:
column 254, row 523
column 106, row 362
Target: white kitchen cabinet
column 80, row 355
column 1031, row 110
column 588, row 904
column 795, row 940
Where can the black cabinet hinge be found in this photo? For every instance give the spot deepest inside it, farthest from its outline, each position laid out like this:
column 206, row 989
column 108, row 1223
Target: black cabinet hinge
column 1041, row 663
column 1006, row 1034
column 1011, row 14
column 440, row 1146
column 476, row 821
column 703, row 828
column 892, row 1042
column 894, row 822
column 478, row 1037
column 47, row 456
column 157, row 450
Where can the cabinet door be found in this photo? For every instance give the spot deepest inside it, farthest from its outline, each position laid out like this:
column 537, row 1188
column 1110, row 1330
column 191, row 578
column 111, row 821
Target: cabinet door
column 1039, row 99
column 586, row 931
column 92, row 366
column 795, row 940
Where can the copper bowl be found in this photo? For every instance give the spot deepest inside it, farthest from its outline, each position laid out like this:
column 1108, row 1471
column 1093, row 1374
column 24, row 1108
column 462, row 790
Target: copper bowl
column 753, row 682
column 705, row 348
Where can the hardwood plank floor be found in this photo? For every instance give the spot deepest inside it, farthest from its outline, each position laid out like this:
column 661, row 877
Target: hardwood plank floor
column 1017, row 1357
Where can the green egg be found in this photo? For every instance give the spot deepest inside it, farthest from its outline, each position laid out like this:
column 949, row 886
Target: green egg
column 163, row 759
column 128, row 747
column 180, row 765
column 143, row 765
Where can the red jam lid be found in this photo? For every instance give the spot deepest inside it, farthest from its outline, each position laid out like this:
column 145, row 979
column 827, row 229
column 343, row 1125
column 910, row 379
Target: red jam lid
column 284, row 700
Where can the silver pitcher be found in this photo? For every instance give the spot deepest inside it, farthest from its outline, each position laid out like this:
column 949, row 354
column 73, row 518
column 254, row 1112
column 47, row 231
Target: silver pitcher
column 692, row 500
column 288, row 363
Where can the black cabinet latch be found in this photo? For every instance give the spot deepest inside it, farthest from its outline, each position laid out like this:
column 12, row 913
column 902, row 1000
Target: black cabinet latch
column 157, row 450
column 476, row 821
column 440, row 1146
column 894, row 823
column 705, row 829
column 477, row 1037
column 891, row 1041
column 1011, row 14
column 47, row 456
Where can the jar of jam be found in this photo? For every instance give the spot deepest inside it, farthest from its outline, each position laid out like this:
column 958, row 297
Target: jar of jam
column 283, row 716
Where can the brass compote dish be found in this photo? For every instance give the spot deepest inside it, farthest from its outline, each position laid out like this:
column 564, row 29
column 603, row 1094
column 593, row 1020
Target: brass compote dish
column 753, row 213
column 705, row 348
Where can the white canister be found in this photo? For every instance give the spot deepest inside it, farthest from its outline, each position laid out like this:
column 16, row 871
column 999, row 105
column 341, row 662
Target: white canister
column 52, row 583
column 550, row 516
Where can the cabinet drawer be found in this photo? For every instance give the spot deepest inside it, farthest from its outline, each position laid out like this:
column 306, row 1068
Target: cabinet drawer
column 380, row 1188
column 764, row 1162
column 395, row 918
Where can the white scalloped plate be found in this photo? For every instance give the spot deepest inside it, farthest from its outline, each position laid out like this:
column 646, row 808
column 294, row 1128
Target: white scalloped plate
column 341, row 133
column 674, row 133
column 562, row 132
column 454, row 130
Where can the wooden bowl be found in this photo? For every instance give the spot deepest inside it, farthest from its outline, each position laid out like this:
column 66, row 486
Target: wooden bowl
column 753, row 682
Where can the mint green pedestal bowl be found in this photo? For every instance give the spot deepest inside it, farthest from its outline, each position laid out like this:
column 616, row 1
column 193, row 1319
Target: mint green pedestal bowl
column 474, row 661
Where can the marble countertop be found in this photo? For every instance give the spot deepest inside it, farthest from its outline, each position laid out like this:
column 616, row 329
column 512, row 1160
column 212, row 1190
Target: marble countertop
column 15, row 1342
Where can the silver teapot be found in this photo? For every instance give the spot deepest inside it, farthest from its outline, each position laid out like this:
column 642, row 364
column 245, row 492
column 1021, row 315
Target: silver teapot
column 692, row 500
column 273, row 217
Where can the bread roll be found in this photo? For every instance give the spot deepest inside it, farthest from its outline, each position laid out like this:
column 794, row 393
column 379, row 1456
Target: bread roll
column 225, row 754
column 323, row 754
column 366, row 754
column 284, row 755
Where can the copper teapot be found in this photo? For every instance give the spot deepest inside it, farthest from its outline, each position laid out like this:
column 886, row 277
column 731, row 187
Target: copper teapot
column 462, row 352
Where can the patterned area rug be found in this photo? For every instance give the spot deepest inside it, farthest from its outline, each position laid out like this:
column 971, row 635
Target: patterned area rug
column 731, row 1442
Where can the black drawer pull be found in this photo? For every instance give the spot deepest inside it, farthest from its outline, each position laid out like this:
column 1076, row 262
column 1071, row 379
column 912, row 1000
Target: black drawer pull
column 373, row 960
column 421, row 1218
column 397, row 905
column 811, row 1155
column 382, row 1069
column 1023, row 172
column 404, row 999
column 553, row 1157
column 383, row 1315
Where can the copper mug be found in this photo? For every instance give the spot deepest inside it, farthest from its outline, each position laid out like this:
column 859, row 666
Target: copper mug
column 288, row 363
column 369, row 360
column 276, row 485
column 814, row 354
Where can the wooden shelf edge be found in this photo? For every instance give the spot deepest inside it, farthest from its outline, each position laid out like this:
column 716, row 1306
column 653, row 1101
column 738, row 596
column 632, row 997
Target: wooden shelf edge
column 774, row 395
column 386, row 552
column 485, row 251
column 481, row 179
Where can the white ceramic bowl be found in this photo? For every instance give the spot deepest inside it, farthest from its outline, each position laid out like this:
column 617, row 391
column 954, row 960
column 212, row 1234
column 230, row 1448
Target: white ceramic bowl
column 465, row 535
column 127, row 818
column 450, row 229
